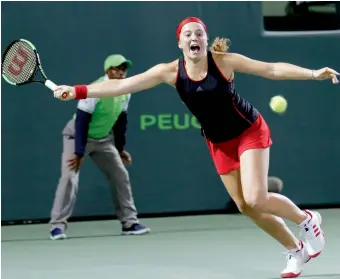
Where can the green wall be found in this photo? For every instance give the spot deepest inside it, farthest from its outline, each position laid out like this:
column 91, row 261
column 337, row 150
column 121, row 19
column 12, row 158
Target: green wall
column 172, row 170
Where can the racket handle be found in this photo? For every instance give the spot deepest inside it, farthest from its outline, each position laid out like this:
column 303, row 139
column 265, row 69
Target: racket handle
column 50, row 85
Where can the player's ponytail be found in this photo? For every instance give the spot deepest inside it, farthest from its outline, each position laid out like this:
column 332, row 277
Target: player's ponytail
column 220, row 45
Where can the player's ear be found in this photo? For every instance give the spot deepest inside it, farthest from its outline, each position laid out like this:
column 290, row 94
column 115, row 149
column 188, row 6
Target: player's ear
column 180, row 45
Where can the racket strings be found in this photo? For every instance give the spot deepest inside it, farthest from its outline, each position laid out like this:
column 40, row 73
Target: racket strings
column 19, row 63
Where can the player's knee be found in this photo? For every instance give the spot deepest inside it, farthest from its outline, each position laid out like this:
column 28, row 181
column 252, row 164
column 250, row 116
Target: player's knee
column 257, row 202
column 244, row 208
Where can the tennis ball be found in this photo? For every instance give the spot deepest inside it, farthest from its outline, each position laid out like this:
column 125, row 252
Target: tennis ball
column 278, row 104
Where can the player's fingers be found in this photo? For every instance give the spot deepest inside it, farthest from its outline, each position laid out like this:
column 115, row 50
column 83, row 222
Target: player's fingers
column 334, row 78
column 331, row 71
column 63, row 93
column 59, row 91
column 56, row 92
column 67, row 94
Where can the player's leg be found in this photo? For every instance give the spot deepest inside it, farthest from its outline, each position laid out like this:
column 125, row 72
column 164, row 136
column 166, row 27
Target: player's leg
column 108, row 160
column 66, row 193
column 226, row 159
column 271, row 224
column 275, row 185
column 254, row 174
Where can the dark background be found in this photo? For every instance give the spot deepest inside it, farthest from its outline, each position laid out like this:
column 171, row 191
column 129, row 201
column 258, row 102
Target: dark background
column 172, row 170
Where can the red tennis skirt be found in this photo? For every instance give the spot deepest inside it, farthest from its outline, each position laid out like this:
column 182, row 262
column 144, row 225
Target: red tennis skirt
column 226, row 155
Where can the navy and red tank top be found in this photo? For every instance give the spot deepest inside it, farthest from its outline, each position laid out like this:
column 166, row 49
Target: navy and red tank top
column 221, row 111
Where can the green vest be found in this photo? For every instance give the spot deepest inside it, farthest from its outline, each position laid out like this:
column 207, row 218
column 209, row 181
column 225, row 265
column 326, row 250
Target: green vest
column 105, row 114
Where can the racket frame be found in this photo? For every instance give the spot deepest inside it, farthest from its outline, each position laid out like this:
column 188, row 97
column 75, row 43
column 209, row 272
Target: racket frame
column 49, row 84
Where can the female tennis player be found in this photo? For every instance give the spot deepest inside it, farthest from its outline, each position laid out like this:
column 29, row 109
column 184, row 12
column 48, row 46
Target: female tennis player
column 237, row 136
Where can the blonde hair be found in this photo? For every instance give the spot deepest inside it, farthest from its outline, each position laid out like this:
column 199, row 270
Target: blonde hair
column 220, row 45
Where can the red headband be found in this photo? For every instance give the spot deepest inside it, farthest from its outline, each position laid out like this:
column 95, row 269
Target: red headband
column 188, row 20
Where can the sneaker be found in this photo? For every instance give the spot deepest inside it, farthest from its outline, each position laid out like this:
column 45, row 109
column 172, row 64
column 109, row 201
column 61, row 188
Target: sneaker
column 135, row 229
column 314, row 236
column 295, row 260
column 57, row 233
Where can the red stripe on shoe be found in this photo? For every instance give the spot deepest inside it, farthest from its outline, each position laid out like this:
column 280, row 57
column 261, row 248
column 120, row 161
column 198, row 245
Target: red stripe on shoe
column 290, row 275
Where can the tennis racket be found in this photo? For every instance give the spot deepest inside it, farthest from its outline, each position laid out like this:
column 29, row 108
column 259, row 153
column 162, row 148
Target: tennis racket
column 21, row 63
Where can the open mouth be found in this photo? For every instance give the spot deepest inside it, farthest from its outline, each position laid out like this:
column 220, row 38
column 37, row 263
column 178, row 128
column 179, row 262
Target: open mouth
column 195, row 48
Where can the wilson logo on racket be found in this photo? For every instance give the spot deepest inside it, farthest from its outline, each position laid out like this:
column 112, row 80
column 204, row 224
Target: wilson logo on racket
column 18, row 62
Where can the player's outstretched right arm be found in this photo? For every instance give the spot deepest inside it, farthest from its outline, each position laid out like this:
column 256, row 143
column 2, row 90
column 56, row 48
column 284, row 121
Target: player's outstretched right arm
column 116, row 87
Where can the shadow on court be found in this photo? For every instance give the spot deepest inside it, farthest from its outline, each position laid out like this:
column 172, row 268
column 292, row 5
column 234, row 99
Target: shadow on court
column 158, row 232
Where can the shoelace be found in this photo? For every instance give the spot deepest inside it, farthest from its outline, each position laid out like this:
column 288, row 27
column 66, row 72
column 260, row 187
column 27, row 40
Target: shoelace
column 290, row 253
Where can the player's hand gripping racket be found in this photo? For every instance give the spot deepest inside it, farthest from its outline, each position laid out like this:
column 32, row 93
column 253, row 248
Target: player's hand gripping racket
column 21, row 64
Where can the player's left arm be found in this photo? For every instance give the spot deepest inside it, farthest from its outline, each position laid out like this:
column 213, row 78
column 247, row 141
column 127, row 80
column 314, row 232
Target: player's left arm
column 277, row 70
